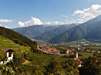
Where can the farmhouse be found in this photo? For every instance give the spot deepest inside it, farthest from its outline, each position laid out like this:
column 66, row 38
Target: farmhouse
column 9, row 54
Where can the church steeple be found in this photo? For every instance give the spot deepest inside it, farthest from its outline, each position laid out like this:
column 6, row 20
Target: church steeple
column 67, row 51
column 76, row 53
column 37, row 47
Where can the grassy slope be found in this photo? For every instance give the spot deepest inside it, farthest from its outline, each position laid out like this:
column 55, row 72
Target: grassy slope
column 85, row 55
column 8, row 44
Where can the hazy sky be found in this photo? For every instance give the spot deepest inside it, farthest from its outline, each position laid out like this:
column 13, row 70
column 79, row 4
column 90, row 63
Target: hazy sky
column 21, row 13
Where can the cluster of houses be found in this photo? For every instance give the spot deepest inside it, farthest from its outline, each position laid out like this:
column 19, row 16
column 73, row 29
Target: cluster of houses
column 47, row 50
column 9, row 54
column 74, row 53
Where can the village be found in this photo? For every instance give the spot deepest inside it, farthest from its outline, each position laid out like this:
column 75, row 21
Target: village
column 71, row 53
column 68, row 52
column 46, row 49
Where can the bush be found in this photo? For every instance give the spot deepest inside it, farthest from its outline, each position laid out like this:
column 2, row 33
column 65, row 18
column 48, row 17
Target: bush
column 2, row 55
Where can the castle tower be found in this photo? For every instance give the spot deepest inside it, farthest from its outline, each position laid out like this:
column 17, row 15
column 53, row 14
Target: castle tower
column 67, row 51
column 37, row 47
column 76, row 54
column 47, row 45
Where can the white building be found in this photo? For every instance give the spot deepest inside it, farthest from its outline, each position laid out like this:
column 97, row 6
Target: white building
column 9, row 54
column 77, row 59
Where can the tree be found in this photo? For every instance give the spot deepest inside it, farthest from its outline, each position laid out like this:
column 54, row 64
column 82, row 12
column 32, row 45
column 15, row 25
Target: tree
column 71, row 67
column 90, row 67
column 18, row 58
column 2, row 55
column 38, row 72
column 55, row 68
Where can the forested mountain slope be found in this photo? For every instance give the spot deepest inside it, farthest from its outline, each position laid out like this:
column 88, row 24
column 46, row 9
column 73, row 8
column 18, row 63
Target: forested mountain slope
column 17, row 38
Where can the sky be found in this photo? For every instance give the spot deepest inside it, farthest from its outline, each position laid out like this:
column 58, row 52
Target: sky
column 23, row 13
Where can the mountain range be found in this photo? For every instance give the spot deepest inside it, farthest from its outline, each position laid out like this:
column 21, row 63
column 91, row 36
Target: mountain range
column 46, row 36
column 33, row 31
column 43, row 32
column 89, row 30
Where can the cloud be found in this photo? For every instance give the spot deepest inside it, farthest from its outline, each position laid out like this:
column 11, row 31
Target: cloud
column 0, row 25
column 54, row 23
column 88, row 13
column 6, row 27
column 47, row 23
column 33, row 21
column 58, row 23
column 36, row 21
column 5, row 20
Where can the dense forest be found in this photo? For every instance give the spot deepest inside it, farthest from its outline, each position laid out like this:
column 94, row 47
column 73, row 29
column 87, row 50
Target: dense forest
column 17, row 38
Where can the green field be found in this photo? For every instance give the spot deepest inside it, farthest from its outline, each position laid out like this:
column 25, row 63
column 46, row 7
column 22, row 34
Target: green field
column 93, row 48
column 8, row 44
column 85, row 55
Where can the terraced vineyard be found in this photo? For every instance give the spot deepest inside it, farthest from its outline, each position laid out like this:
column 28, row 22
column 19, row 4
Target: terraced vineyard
column 8, row 44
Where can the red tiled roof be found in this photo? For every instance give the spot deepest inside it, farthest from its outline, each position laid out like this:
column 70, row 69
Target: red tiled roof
column 67, row 49
column 76, row 52
column 6, row 50
column 78, row 61
column 83, row 50
column 53, row 49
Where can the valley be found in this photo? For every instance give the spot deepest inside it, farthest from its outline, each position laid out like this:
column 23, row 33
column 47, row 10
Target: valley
column 50, row 37
column 51, row 50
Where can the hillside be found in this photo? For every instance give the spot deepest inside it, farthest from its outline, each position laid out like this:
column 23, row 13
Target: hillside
column 89, row 30
column 8, row 44
column 46, row 36
column 17, row 38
